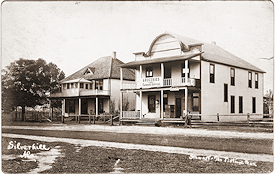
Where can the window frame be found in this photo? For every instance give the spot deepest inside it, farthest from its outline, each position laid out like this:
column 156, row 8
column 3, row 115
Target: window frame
column 212, row 75
column 225, row 93
column 256, row 81
column 149, row 70
column 152, row 109
column 232, row 104
column 249, row 79
column 240, row 104
column 254, row 105
column 232, row 76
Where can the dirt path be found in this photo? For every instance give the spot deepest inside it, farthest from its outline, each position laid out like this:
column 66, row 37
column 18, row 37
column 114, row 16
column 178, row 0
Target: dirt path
column 186, row 151
column 151, row 130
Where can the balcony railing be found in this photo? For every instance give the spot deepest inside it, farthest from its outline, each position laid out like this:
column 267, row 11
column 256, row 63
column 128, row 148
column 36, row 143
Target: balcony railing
column 130, row 115
column 80, row 92
column 159, row 82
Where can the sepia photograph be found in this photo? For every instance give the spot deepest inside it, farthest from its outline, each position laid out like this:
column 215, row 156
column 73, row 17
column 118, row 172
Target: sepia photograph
column 137, row 86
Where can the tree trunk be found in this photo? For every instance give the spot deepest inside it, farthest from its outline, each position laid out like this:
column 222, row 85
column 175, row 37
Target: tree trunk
column 23, row 113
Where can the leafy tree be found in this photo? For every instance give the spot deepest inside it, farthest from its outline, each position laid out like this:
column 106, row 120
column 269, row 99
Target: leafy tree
column 28, row 82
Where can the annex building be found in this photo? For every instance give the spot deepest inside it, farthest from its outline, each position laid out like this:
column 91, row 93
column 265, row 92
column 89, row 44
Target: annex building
column 94, row 89
column 180, row 75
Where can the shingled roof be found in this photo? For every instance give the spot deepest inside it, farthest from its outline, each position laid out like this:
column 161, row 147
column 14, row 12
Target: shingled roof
column 217, row 54
column 210, row 52
column 104, row 67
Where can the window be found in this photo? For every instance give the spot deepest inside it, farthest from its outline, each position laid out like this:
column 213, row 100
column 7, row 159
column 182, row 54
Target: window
column 232, row 74
column 250, row 79
column 195, row 101
column 149, row 72
column 152, row 103
column 240, row 104
column 253, row 104
column 256, row 80
column 232, row 104
column 225, row 93
column 76, row 84
column 72, row 85
column 212, row 73
column 68, row 85
column 87, row 86
column 64, row 86
column 183, row 70
column 99, row 84
column 91, row 85
column 81, row 85
column 70, row 106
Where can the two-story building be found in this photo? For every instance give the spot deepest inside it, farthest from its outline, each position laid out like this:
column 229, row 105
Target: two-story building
column 180, row 75
column 94, row 89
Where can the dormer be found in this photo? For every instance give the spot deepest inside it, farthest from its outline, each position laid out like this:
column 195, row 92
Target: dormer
column 90, row 70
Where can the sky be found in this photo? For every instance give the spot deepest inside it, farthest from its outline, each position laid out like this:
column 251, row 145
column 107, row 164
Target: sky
column 72, row 34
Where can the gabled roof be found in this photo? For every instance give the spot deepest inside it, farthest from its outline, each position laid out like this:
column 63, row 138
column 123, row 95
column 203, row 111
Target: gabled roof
column 217, row 54
column 104, row 67
column 210, row 52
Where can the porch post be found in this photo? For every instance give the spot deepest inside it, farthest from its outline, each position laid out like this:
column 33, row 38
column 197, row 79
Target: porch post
column 161, row 104
column 186, row 99
column 63, row 107
column 186, row 72
column 140, row 104
column 140, row 73
column 96, row 106
column 162, row 73
column 79, row 109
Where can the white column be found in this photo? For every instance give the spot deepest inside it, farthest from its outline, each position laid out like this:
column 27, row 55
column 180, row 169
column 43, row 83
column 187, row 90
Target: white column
column 140, row 73
column 96, row 106
column 79, row 106
column 162, row 73
column 140, row 104
column 186, row 100
column 121, row 103
column 186, row 71
column 161, row 104
column 121, row 78
column 63, row 107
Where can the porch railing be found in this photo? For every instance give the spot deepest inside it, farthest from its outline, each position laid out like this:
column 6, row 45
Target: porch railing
column 130, row 115
column 179, row 82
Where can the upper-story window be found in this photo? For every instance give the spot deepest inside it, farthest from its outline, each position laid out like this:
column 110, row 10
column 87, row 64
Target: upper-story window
column 87, row 86
column 232, row 74
column 250, row 79
column 256, row 80
column 91, row 85
column 64, row 86
column 81, row 85
column 183, row 71
column 149, row 72
column 76, row 85
column 212, row 73
column 68, row 85
column 99, row 84
column 72, row 85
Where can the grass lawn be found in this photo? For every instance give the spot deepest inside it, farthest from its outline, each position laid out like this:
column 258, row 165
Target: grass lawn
column 74, row 159
column 223, row 144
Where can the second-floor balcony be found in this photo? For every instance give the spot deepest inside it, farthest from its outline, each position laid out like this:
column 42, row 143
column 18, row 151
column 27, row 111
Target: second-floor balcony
column 80, row 92
column 151, row 82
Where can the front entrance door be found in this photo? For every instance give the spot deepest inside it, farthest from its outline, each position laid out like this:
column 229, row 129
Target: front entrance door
column 84, row 106
column 178, row 107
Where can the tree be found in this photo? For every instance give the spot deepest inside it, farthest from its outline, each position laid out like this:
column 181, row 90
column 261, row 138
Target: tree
column 28, row 82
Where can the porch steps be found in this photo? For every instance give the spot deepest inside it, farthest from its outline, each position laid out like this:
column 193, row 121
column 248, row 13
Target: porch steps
column 147, row 121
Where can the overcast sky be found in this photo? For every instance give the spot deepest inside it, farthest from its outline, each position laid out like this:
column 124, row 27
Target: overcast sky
column 73, row 34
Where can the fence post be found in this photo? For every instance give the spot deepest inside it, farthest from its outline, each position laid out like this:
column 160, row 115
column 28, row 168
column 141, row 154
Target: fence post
column 218, row 116
column 62, row 118
column 248, row 117
column 89, row 118
column 79, row 118
column 111, row 120
column 94, row 118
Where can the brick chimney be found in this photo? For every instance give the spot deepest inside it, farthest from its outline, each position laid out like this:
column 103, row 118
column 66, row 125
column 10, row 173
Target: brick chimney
column 114, row 55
